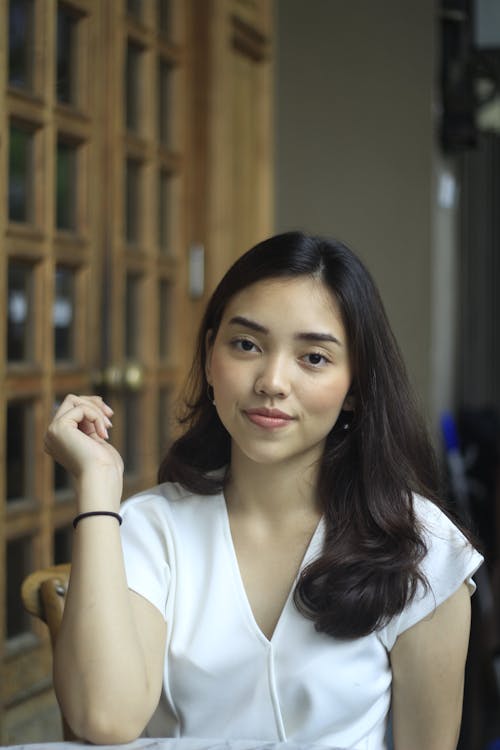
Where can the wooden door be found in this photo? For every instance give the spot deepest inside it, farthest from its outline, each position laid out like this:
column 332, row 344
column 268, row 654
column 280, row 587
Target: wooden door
column 237, row 133
column 146, row 290
column 130, row 133
column 51, row 228
column 92, row 169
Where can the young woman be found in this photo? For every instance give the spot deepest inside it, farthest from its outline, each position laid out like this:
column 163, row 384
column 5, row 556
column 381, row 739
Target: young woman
column 292, row 577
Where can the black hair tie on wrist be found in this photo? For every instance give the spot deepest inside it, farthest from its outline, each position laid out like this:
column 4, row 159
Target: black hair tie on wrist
column 77, row 520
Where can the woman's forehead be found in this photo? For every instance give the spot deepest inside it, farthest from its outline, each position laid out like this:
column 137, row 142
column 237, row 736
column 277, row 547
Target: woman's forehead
column 302, row 297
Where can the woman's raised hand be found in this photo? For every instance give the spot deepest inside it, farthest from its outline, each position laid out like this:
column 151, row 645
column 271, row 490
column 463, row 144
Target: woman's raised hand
column 77, row 438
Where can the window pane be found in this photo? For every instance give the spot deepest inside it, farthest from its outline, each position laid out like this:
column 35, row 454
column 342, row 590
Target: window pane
column 164, row 421
column 19, row 313
column 62, row 480
column 134, row 9
column 133, row 87
column 132, row 431
column 164, row 102
column 63, row 315
column 62, row 545
column 132, row 201
column 66, row 178
column 165, row 17
column 19, row 565
column 67, row 49
column 164, row 211
column 20, row 174
column 21, row 25
column 20, row 458
column 132, row 316
column 165, row 306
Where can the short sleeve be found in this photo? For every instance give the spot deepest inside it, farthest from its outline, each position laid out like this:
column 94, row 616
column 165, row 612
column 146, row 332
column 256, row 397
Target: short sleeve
column 450, row 561
column 145, row 543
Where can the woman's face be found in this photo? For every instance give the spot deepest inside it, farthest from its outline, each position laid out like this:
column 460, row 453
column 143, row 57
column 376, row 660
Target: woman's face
column 279, row 367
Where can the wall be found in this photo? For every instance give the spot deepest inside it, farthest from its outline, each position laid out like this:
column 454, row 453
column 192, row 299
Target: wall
column 354, row 147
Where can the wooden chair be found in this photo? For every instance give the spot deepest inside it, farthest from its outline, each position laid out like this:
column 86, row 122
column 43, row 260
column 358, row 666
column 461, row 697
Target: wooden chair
column 43, row 595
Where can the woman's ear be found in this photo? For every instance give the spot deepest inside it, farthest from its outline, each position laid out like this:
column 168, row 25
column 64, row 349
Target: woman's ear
column 349, row 402
column 209, row 345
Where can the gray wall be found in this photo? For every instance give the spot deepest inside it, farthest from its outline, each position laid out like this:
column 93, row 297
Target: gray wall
column 355, row 145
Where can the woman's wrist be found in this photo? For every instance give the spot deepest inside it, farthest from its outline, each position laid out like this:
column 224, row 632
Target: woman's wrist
column 99, row 491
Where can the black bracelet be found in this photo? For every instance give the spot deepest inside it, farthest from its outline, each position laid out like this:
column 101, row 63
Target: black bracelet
column 77, row 520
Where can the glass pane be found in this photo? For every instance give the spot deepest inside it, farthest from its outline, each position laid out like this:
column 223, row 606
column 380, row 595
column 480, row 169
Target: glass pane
column 67, row 49
column 164, row 421
column 132, row 316
column 62, row 481
column 132, row 200
column 20, row 458
column 132, row 431
column 165, row 17
column 66, row 180
column 164, row 102
column 164, row 211
column 63, row 545
column 21, row 28
column 165, row 306
column 63, row 315
column 20, row 174
column 134, row 8
column 133, row 87
column 19, row 565
column 19, row 312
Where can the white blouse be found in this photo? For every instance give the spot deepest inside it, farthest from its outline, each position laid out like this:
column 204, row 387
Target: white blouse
column 222, row 677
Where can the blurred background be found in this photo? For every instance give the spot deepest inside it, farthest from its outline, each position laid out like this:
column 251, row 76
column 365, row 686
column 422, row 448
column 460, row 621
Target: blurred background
column 144, row 144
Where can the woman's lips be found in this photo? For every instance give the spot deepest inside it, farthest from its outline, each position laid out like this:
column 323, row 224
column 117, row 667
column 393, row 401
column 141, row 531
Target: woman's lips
column 269, row 418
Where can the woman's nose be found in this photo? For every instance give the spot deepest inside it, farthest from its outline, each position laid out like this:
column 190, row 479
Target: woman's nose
column 273, row 379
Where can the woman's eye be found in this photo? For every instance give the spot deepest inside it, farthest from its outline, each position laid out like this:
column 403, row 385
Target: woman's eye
column 244, row 345
column 315, row 359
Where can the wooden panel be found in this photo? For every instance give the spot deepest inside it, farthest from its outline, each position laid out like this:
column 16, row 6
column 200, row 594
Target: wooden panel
column 256, row 14
column 3, row 305
column 36, row 718
column 51, row 230
column 26, row 673
column 240, row 132
column 251, row 156
column 147, row 124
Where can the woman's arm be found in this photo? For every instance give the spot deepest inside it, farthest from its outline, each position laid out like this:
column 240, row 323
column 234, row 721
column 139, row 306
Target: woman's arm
column 428, row 663
column 108, row 661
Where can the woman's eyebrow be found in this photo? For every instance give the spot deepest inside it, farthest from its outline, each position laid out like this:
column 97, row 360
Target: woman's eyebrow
column 311, row 336
column 239, row 320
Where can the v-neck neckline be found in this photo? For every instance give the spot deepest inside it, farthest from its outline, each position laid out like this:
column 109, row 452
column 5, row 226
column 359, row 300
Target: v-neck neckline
column 240, row 585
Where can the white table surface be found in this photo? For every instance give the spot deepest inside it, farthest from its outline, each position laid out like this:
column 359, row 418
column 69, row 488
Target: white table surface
column 184, row 743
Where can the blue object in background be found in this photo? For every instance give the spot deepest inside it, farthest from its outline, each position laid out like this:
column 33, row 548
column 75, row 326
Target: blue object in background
column 450, row 433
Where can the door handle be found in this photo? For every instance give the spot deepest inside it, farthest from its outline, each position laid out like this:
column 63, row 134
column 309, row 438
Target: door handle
column 129, row 377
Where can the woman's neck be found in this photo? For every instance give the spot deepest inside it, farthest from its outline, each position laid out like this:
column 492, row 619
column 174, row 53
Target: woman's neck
column 273, row 492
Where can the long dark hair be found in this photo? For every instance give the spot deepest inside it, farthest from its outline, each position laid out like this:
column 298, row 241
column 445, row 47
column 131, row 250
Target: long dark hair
column 369, row 567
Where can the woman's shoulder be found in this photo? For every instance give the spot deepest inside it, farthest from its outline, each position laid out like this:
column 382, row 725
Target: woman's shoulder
column 437, row 524
column 449, row 561
column 448, row 549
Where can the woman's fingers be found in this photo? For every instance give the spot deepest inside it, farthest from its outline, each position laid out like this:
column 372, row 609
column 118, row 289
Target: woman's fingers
column 88, row 419
column 84, row 414
column 93, row 427
column 71, row 401
column 92, row 415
